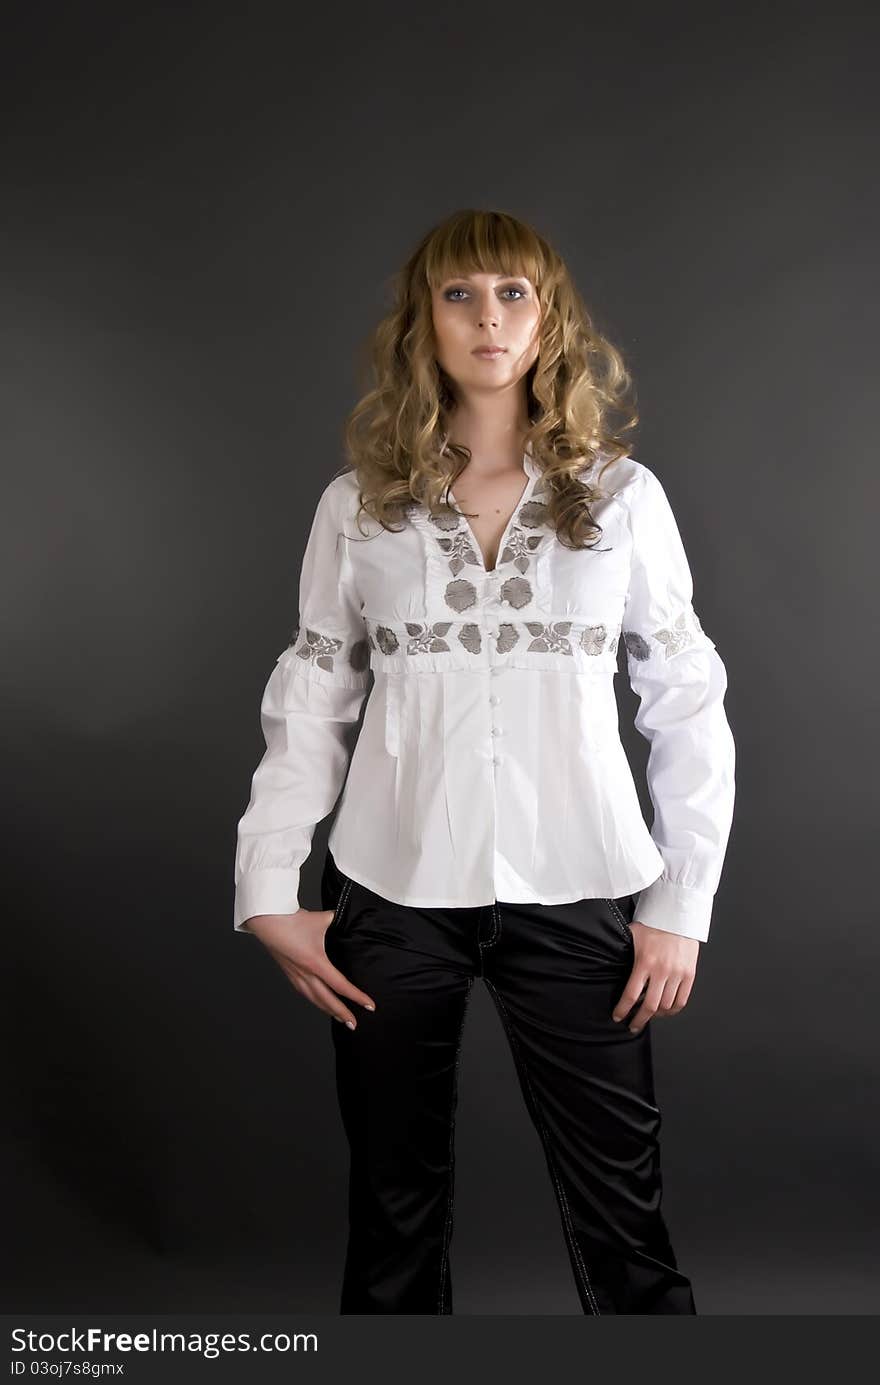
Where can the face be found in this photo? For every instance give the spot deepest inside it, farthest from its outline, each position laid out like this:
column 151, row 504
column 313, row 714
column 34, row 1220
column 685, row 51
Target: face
column 481, row 310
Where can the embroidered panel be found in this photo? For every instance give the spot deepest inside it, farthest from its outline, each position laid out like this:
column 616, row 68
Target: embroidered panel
column 528, row 636
column 452, row 551
column 321, row 650
column 684, row 632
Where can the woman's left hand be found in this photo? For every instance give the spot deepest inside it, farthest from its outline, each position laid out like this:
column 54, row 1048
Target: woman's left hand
column 666, row 963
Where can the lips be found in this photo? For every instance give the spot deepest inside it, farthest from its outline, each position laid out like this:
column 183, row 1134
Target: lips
column 489, row 351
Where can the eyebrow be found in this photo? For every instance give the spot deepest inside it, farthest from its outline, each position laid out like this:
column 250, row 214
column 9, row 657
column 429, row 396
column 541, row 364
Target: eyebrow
column 470, row 277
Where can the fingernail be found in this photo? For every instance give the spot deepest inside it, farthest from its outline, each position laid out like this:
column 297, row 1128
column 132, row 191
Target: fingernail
column 369, row 1007
column 349, row 1024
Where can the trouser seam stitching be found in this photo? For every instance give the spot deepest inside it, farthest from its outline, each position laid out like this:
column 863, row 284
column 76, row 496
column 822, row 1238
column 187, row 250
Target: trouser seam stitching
column 447, row 1229
column 343, row 899
column 619, row 919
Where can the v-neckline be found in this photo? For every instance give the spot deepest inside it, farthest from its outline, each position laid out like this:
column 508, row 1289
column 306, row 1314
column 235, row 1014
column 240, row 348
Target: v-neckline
column 530, row 481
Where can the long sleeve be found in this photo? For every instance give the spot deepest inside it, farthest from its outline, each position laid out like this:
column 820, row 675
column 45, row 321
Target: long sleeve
column 679, row 677
column 313, row 697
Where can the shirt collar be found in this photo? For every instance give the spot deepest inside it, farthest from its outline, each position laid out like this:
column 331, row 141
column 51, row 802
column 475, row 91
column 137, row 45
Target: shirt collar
column 529, row 466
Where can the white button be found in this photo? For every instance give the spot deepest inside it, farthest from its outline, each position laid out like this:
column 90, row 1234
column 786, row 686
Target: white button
column 495, row 633
column 494, row 699
column 496, row 731
column 496, row 761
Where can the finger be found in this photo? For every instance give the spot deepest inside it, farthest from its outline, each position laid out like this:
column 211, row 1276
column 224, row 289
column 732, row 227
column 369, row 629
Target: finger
column 684, row 993
column 295, row 975
column 317, row 992
column 323, row 968
column 327, row 1000
column 332, row 976
column 630, row 993
column 319, row 995
column 648, row 1008
column 667, row 1004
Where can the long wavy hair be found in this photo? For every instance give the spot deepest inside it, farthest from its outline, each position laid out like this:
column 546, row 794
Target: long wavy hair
column 579, row 389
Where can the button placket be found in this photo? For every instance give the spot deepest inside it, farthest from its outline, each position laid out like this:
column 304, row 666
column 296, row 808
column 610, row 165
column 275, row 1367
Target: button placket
column 495, row 731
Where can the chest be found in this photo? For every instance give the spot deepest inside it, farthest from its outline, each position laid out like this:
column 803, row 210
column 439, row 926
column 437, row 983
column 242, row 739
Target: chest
column 433, row 573
column 488, row 506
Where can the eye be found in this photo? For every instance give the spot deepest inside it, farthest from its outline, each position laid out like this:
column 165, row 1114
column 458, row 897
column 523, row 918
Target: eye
column 511, row 288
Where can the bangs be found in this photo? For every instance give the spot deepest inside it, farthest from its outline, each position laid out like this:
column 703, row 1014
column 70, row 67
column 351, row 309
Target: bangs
column 475, row 242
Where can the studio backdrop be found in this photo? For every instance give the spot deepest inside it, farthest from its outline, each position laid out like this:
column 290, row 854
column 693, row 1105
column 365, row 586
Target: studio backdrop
column 203, row 213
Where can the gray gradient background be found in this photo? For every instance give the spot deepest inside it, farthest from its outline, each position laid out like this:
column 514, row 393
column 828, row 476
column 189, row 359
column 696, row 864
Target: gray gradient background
column 202, row 213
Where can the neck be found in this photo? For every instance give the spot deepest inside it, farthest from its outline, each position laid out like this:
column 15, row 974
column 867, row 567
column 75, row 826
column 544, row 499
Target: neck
column 494, row 435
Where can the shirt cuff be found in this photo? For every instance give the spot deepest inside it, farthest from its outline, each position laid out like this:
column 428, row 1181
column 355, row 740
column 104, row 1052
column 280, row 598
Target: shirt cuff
column 675, row 909
column 273, row 891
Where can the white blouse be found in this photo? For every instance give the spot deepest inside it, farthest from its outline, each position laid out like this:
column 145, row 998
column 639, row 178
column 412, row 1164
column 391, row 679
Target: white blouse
column 489, row 763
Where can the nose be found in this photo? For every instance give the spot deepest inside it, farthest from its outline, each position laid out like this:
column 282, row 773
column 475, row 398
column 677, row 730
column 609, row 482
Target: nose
column 487, row 308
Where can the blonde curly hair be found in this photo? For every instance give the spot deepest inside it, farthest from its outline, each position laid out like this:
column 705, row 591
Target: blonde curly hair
column 578, row 388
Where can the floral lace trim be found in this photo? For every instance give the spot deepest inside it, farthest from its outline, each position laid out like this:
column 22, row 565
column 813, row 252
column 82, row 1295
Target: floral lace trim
column 680, row 636
column 321, row 650
column 456, row 544
column 540, row 637
column 551, row 637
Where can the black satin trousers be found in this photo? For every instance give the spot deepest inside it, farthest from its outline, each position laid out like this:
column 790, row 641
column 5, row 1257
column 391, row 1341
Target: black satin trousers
column 555, row 973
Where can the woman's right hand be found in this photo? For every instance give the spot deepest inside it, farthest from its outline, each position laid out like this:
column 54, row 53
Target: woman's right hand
column 296, row 941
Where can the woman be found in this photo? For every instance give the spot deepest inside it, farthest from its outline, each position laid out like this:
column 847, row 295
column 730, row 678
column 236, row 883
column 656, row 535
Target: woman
column 490, row 543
